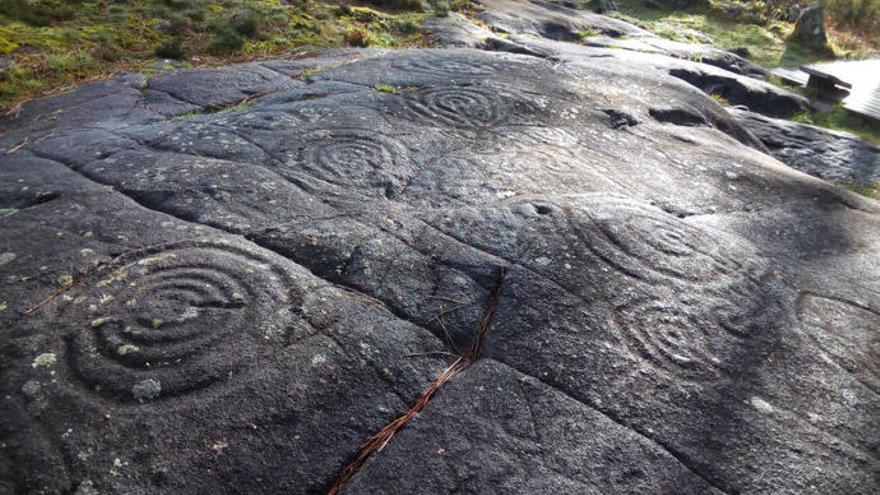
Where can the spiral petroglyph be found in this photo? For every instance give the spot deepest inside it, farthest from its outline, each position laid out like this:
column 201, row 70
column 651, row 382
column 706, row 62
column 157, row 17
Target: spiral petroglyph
column 647, row 243
column 673, row 336
column 355, row 158
column 461, row 106
column 176, row 319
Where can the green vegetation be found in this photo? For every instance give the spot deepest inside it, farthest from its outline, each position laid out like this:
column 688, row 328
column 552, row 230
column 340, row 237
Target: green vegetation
column 586, row 33
column 720, row 99
column 765, row 38
column 843, row 120
column 751, row 28
column 872, row 191
column 860, row 16
column 385, row 88
column 55, row 44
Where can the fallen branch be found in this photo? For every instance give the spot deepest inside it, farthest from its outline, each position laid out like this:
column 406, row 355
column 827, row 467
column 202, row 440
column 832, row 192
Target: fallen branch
column 378, row 441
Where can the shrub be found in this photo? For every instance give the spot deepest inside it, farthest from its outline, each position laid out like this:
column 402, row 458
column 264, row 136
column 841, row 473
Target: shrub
column 226, row 40
column 441, row 8
column 38, row 12
column 400, row 4
column 61, row 63
column 359, row 37
column 180, row 4
column 107, row 52
column 245, row 22
column 171, row 49
column 863, row 14
column 405, row 26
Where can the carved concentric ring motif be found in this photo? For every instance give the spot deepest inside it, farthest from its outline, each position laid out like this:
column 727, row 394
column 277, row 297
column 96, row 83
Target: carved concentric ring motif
column 457, row 106
column 354, row 157
column 671, row 336
column 176, row 319
column 697, row 305
column 646, row 243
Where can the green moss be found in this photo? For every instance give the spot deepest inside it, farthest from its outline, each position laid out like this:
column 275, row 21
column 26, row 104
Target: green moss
column 385, row 88
column 871, row 191
column 720, row 99
column 310, row 72
column 186, row 115
column 6, row 46
column 587, row 33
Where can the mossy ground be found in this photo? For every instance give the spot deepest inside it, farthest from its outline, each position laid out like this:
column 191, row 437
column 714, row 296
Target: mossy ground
column 841, row 119
column 55, row 44
column 765, row 39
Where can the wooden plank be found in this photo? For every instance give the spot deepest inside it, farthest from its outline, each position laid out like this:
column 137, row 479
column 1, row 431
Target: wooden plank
column 864, row 78
column 867, row 104
column 853, row 72
column 830, row 78
column 793, row 75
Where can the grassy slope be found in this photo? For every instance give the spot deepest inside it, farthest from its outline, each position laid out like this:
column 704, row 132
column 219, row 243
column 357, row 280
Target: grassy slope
column 55, row 44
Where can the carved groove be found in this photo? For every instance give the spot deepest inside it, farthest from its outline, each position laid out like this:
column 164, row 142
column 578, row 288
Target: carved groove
column 185, row 315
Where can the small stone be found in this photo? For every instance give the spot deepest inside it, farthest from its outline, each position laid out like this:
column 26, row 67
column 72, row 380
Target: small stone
column 162, row 26
column 148, row 389
column 742, row 51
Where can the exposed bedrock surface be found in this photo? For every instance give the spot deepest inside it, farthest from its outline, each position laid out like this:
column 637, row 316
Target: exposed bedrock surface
column 226, row 280
column 547, row 20
column 831, row 155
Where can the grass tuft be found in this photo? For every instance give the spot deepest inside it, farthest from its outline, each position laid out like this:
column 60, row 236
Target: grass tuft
column 385, row 88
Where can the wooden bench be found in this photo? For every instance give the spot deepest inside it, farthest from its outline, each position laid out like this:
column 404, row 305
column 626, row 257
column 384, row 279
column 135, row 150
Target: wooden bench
column 827, row 86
